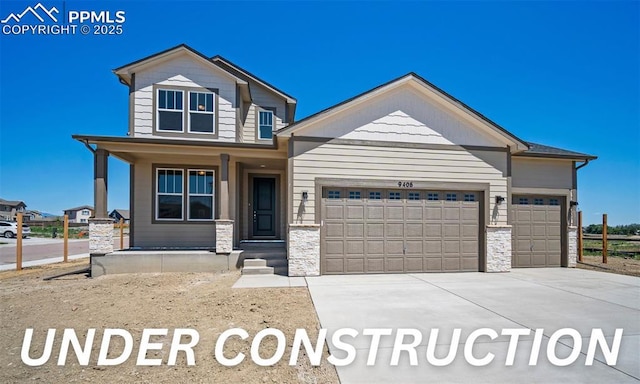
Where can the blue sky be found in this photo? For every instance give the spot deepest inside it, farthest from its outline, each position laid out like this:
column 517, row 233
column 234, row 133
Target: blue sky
column 564, row 74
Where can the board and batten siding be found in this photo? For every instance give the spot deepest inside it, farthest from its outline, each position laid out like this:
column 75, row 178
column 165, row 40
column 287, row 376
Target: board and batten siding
column 315, row 160
column 149, row 234
column 184, row 72
column 541, row 173
column 404, row 115
column 262, row 98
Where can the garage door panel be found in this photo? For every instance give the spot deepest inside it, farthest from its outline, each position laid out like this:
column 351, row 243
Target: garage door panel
column 393, row 232
column 414, row 264
column 375, row 247
column 375, row 265
column 334, row 212
column 355, row 230
column 355, row 247
column 334, row 247
column 375, row 230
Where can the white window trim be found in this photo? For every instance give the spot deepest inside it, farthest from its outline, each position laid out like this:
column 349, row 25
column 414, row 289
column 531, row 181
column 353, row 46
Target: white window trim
column 157, row 202
column 273, row 121
column 212, row 194
column 158, row 109
column 188, row 112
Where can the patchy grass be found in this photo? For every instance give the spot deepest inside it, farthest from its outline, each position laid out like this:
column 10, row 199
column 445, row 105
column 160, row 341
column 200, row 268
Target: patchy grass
column 74, row 233
column 615, row 248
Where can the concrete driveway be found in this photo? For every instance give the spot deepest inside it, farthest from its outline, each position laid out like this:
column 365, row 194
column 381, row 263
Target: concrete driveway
column 550, row 299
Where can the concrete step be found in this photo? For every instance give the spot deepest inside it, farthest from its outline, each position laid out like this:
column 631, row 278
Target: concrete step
column 257, row 271
column 255, row 262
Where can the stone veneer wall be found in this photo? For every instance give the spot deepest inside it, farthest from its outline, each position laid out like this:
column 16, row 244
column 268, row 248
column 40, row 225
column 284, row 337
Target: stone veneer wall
column 304, row 250
column 498, row 248
column 572, row 238
column 224, row 236
column 100, row 236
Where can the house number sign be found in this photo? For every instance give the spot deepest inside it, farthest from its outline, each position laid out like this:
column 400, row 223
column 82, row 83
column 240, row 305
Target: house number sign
column 405, row 184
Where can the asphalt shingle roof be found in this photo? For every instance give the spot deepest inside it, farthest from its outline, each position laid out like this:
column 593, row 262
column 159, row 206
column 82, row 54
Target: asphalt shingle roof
column 540, row 150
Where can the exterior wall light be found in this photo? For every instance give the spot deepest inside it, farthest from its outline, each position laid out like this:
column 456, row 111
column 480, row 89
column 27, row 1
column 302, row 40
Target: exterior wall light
column 573, row 203
column 305, row 196
column 499, row 200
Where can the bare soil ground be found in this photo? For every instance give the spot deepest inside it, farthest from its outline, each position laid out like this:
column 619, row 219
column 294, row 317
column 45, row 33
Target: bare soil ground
column 615, row 264
column 204, row 302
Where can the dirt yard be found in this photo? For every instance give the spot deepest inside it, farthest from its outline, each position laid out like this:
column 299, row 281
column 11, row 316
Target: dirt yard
column 615, row 264
column 203, row 302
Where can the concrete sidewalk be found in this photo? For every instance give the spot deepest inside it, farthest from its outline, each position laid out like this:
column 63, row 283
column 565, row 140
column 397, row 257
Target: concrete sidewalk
column 51, row 260
column 550, row 299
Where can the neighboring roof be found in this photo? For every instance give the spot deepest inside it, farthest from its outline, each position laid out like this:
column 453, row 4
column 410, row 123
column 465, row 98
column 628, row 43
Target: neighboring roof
column 124, row 213
column 124, row 72
column 12, row 203
column 404, row 78
column 243, row 73
column 539, row 150
column 79, row 208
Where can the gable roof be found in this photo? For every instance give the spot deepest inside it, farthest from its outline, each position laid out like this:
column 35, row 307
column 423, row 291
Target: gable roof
column 12, row 203
column 539, row 150
column 124, row 72
column 409, row 77
column 124, row 213
column 80, row 208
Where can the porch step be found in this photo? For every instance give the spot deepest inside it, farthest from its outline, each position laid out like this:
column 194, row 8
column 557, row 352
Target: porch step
column 259, row 270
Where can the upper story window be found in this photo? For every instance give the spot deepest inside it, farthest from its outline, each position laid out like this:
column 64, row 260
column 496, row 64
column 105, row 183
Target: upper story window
column 85, row 212
column 201, row 115
column 170, row 110
column 265, row 127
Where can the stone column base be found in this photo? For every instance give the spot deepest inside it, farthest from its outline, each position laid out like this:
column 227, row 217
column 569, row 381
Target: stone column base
column 100, row 236
column 224, row 236
column 498, row 248
column 572, row 239
column 303, row 250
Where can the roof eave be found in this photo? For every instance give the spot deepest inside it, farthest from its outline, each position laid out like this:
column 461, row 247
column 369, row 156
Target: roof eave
column 577, row 156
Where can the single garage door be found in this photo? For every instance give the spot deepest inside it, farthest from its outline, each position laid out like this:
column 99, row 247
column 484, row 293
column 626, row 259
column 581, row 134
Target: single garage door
column 536, row 231
column 399, row 231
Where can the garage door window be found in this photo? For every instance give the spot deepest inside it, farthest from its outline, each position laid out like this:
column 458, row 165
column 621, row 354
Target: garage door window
column 523, row 201
column 452, row 197
column 414, row 195
column 354, row 195
column 375, row 195
column 433, row 196
column 394, row 195
column 538, row 201
column 333, row 195
column 554, row 202
column 469, row 197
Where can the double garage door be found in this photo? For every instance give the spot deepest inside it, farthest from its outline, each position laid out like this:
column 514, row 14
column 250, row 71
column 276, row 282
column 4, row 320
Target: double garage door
column 399, row 231
column 536, row 231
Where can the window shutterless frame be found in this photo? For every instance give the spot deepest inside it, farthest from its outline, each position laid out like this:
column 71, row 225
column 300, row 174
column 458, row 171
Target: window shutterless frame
column 265, row 119
column 195, row 178
column 186, row 131
column 169, row 103
column 201, row 108
column 163, row 188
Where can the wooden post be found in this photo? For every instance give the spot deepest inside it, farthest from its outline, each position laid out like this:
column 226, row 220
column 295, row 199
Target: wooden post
column 65, row 230
column 121, row 233
column 604, row 238
column 19, row 243
column 580, row 244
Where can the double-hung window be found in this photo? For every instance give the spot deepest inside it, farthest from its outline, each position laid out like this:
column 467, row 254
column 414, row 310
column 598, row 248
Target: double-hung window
column 169, row 195
column 200, row 195
column 265, row 127
column 170, row 110
column 201, row 115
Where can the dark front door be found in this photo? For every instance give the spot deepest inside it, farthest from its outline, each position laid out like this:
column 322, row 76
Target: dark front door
column 264, row 206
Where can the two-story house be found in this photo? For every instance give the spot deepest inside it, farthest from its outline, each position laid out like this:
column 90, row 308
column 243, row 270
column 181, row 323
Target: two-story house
column 402, row 178
column 79, row 214
column 10, row 208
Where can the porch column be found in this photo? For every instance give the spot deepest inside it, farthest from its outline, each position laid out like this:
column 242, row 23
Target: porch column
column 224, row 226
column 100, row 225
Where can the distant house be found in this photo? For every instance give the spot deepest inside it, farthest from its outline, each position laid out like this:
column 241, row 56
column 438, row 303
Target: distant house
column 9, row 209
column 30, row 215
column 79, row 214
column 118, row 214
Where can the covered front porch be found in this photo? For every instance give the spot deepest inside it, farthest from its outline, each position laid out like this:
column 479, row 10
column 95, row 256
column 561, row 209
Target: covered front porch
column 192, row 204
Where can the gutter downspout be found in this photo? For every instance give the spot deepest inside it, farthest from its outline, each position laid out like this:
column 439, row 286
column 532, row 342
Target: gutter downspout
column 583, row 164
